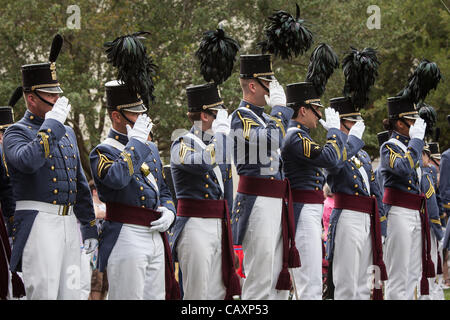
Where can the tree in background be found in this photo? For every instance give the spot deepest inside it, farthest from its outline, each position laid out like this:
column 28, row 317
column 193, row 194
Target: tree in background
column 409, row 31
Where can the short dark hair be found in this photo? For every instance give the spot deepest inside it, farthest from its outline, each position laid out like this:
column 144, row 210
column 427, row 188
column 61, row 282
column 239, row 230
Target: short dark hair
column 194, row 116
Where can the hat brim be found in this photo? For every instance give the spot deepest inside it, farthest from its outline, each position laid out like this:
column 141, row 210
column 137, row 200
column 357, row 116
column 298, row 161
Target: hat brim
column 413, row 116
column 217, row 108
column 436, row 156
column 50, row 90
column 136, row 109
column 267, row 78
column 353, row 118
column 317, row 104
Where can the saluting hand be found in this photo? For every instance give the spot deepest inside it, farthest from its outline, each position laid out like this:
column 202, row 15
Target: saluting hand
column 417, row 130
column 221, row 123
column 357, row 130
column 332, row 119
column 141, row 128
column 60, row 110
column 277, row 95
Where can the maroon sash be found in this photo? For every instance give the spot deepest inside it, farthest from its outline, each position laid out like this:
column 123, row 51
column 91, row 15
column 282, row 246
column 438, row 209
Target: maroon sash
column 119, row 212
column 367, row 205
column 308, row 196
column 418, row 202
column 277, row 189
column 216, row 209
column 5, row 257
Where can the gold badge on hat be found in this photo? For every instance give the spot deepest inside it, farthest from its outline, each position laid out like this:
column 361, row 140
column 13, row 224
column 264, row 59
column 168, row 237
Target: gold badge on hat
column 53, row 68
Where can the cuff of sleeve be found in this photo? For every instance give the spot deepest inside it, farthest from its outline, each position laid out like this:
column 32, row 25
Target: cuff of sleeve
column 53, row 128
column 88, row 231
column 281, row 111
column 334, row 132
column 416, row 145
column 356, row 142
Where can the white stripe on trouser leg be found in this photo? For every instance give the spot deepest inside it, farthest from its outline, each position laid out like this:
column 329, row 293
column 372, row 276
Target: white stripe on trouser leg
column 308, row 239
column 403, row 253
column 51, row 258
column 352, row 256
column 200, row 256
column 263, row 251
column 136, row 265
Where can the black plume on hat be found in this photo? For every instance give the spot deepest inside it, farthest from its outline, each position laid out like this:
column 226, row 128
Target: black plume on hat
column 426, row 77
column 360, row 71
column 217, row 54
column 55, row 48
column 129, row 55
column 17, row 94
column 321, row 66
column 286, row 36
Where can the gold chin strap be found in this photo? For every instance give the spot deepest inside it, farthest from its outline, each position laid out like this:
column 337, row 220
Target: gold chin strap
column 350, row 114
column 48, row 85
column 208, row 106
column 134, row 104
column 256, row 75
column 410, row 113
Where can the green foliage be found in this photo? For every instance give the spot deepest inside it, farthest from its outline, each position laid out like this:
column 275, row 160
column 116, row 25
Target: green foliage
column 410, row 30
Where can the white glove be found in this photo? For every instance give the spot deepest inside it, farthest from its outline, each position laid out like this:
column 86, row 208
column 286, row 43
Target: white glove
column 141, row 128
column 357, row 130
column 277, row 96
column 163, row 223
column 417, row 130
column 221, row 123
column 90, row 245
column 332, row 119
column 60, row 110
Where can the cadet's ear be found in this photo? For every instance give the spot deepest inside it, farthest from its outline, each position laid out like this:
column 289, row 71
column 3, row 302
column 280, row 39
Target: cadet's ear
column 252, row 86
column 302, row 111
column 29, row 99
column 115, row 117
column 204, row 116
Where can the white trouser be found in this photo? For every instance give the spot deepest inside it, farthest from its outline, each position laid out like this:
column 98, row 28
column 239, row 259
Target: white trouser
column 436, row 292
column 200, row 257
column 86, row 274
column 86, row 271
column 51, row 258
column 263, row 251
column 136, row 268
column 352, row 256
column 308, row 239
column 403, row 253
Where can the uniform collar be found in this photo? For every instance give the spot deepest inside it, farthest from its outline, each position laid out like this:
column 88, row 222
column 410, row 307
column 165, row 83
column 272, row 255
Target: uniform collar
column 206, row 137
column 403, row 139
column 116, row 135
column 32, row 118
column 258, row 110
column 295, row 124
